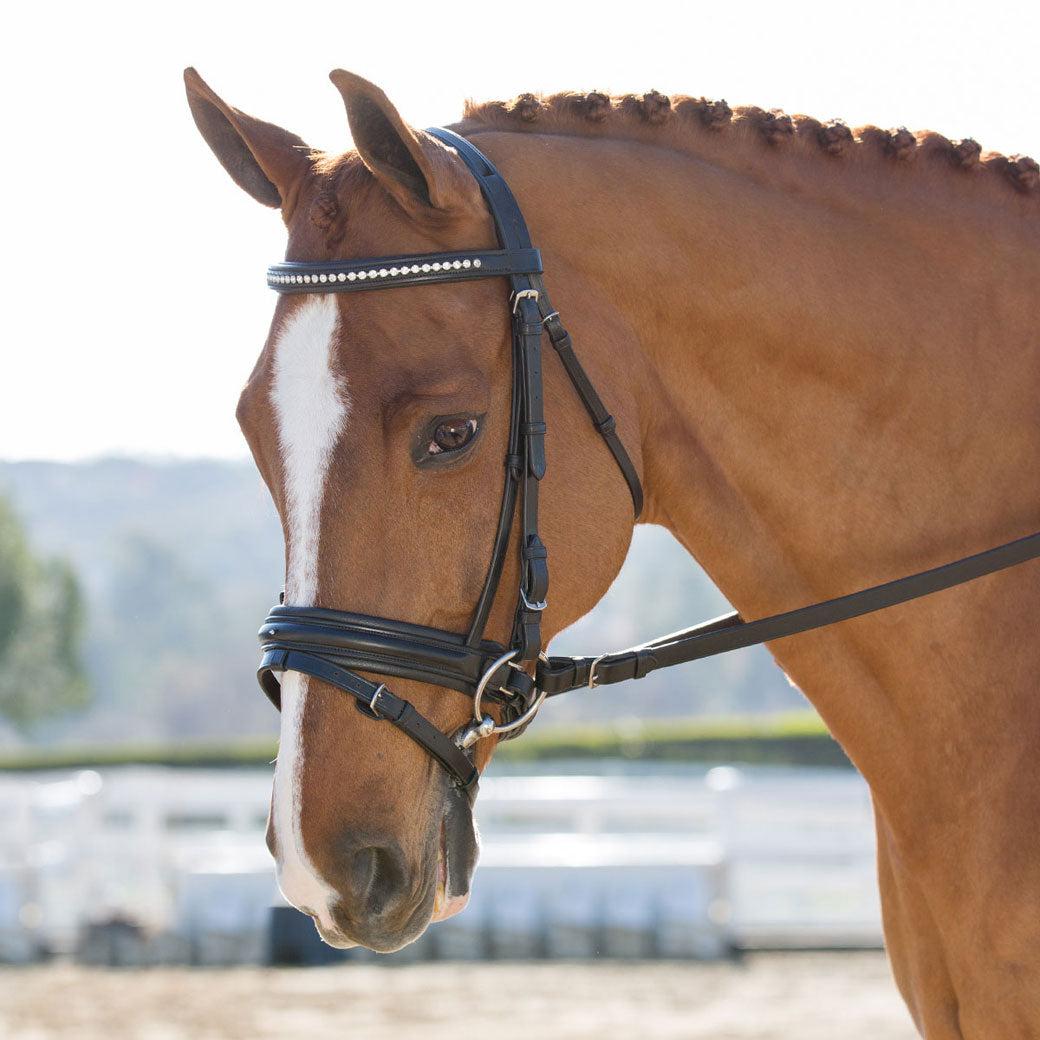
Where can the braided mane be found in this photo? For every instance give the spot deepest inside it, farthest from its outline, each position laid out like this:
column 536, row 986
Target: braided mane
column 681, row 118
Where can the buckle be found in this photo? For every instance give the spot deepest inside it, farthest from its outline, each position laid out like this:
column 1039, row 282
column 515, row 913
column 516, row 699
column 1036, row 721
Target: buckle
column 592, row 671
column 375, row 697
column 537, row 607
column 524, row 294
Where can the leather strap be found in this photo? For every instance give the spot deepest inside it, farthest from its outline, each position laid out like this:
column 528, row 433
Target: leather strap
column 388, row 272
column 534, row 566
column 513, row 466
column 509, row 218
column 731, row 632
column 377, row 702
column 527, row 335
column 513, row 233
column 601, row 418
column 393, row 648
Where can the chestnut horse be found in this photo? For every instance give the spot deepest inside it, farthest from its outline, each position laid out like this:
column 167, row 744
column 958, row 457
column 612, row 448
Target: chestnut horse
column 822, row 351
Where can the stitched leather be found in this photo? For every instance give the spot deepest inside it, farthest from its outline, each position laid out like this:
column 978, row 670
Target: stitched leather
column 393, row 648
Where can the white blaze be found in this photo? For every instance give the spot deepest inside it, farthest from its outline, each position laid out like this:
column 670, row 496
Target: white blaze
column 311, row 407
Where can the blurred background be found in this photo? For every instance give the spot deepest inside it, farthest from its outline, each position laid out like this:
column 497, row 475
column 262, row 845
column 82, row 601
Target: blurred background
column 701, row 815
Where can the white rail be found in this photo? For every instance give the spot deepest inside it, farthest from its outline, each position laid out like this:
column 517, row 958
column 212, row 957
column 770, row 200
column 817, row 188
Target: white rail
column 680, row 865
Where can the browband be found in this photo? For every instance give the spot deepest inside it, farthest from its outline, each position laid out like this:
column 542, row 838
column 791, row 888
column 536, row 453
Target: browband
column 387, row 272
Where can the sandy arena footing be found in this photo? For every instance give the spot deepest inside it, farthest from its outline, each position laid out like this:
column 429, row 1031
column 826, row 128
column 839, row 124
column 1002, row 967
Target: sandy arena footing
column 774, row 996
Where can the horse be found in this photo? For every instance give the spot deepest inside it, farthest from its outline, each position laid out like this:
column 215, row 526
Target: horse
column 820, row 348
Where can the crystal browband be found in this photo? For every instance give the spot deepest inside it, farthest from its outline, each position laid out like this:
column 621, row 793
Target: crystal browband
column 423, row 269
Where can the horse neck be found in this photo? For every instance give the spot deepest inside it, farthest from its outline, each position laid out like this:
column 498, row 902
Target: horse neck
column 835, row 368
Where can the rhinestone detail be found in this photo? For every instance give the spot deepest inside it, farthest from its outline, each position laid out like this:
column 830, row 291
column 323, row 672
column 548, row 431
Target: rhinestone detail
column 374, row 274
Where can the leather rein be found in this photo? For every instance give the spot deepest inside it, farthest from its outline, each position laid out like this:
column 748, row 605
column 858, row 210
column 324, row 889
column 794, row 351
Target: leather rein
column 332, row 645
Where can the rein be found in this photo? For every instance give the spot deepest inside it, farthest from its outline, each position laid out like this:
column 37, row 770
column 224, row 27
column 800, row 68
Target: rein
column 331, row 644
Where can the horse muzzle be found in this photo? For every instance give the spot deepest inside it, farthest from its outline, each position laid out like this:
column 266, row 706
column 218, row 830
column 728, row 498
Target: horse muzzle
column 382, row 899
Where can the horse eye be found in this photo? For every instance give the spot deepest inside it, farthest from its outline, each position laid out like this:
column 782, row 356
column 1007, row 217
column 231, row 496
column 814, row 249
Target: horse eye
column 451, row 435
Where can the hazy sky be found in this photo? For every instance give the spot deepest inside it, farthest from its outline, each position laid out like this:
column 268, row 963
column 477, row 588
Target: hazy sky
column 133, row 268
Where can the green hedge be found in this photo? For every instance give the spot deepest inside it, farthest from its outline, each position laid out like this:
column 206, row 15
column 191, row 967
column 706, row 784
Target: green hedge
column 195, row 756
column 794, row 739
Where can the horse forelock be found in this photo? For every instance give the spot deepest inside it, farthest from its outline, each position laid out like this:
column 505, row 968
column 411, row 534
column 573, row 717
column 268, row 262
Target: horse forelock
column 681, row 121
column 340, row 181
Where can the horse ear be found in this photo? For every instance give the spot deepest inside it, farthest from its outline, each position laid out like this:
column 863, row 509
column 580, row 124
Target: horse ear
column 417, row 170
column 263, row 159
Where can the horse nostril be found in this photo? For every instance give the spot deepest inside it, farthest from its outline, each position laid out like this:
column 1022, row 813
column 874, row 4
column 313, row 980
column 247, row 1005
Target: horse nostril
column 377, row 876
column 362, row 869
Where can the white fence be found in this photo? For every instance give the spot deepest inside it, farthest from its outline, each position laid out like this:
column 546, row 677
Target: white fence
column 685, row 864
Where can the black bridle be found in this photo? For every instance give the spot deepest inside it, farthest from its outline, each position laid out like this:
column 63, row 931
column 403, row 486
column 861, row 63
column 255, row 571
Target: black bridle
column 332, row 645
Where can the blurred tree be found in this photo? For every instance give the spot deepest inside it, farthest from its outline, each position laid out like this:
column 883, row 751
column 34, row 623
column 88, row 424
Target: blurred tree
column 164, row 633
column 41, row 622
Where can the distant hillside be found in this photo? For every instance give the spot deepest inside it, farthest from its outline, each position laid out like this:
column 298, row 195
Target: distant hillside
column 180, row 560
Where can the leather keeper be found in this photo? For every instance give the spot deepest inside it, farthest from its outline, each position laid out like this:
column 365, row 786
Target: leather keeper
column 528, row 635
column 536, row 571
column 536, row 455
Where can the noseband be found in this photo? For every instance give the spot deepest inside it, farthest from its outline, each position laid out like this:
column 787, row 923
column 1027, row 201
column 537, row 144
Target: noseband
column 332, row 645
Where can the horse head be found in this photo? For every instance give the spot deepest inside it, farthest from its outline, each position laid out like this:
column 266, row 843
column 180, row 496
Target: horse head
column 379, row 422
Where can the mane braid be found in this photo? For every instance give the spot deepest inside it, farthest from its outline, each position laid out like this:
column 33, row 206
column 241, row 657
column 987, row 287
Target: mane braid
column 594, row 114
